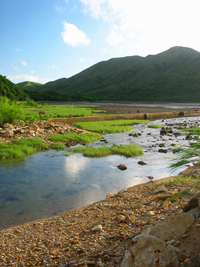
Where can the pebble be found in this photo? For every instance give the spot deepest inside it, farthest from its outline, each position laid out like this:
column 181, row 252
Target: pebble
column 97, row 228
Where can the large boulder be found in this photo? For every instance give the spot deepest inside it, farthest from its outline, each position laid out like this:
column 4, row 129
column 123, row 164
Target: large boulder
column 171, row 228
column 150, row 251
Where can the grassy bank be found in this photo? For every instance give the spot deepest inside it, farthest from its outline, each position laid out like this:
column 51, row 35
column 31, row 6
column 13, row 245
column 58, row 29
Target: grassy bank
column 80, row 138
column 21, row 148
column 103, row 151
column 27, row 146
column 111, row 126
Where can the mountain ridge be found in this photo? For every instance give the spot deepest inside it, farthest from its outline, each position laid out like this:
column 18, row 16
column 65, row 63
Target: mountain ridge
column 172, row 75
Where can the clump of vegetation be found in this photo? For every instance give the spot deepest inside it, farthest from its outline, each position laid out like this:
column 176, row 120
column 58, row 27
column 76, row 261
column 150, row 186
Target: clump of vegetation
column 174, row 181
column 179, row 195
column 111, row 126
column 21, row 148
column 57, row 145
column 155, row 126
column 188, row 155
column 194, row 130
column 103, row 151
column 10, row 111
column 80, row 138
column 181, row 180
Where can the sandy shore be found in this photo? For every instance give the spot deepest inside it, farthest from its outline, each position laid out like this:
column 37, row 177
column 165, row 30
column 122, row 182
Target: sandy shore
column 70, row 239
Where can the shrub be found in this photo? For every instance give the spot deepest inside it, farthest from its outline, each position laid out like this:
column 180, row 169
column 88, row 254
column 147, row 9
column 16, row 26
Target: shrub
column 10, row 111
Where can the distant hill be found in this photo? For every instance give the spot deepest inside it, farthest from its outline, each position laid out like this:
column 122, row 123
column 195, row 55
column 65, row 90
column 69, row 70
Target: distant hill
column 173, row 75
column 11, row 90
column 29, row 86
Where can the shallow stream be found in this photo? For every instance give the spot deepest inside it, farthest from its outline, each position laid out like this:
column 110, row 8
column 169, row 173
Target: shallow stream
column 49, row 183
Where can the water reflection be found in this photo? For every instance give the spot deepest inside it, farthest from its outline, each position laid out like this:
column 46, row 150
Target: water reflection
column 74, row 165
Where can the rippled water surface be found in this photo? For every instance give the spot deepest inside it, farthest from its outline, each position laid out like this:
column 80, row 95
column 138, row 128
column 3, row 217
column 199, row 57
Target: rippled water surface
column 49, row 183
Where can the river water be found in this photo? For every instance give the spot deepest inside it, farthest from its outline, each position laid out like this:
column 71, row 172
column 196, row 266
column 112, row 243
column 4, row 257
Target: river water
column 49, row 183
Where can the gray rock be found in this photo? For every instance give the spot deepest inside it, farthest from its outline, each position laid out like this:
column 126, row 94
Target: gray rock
column 193, row 203
column 195, row 173
column 142, row 162
column 172, row 227
column 160, row 189
column 161, row 150
column 149, row 251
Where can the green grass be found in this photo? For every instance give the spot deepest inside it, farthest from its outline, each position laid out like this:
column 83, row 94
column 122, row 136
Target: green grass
column 103, row 151
column 111, row 126
column 180, row 180
column 188, row 155
column 80, row 138
column 21, row 148
column 178, row 195
column 31, row 111
column 10, row 111
column 155, row 126
column 57, row 145
column 195, row 130
column 174, row 181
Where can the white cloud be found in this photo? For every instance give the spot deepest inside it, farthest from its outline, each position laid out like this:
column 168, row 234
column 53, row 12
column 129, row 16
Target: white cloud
column 115, row 38
column 147, row 26
column 24, row 63
column 82, row 60
column 23, row 77
column 52, row 67
column 73, row 36
column 94, row 7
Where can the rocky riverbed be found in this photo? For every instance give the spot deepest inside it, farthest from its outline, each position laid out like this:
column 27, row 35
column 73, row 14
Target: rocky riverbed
column 42, row 129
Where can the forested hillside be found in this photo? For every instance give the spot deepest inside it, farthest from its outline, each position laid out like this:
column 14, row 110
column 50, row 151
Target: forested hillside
column 173, row 75
column 11, row 90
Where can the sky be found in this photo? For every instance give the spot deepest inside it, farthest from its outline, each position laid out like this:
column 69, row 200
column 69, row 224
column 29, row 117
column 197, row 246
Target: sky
column 44, row 40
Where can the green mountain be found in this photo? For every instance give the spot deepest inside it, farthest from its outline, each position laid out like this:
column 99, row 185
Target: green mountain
column 173, row 75
column 11, row 90
column 29, row 86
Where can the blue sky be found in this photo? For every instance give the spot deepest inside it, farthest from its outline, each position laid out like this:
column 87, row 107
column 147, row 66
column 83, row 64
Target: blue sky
column 44, row 40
